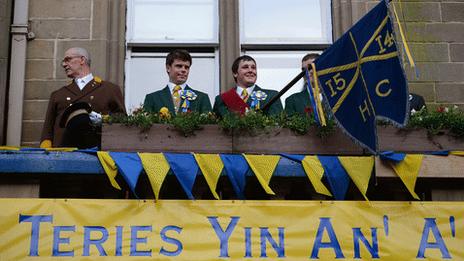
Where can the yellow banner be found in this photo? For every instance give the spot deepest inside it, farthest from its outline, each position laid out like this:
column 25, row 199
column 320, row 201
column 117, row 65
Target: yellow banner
column 44, row 229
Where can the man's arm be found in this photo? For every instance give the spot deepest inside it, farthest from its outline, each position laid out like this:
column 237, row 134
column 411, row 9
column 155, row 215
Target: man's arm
column 47, row 129
column 205, row 104
column 276, row 107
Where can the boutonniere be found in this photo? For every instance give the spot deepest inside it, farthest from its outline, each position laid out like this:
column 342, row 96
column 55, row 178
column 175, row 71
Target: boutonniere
column 256, row 97
column 187, row 96
column 164, row 113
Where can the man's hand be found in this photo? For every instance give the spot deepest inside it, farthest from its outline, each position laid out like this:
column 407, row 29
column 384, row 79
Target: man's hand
column 95, row 118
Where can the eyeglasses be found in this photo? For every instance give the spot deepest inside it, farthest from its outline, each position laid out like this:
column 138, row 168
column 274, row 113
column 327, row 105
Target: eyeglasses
column 67, row 59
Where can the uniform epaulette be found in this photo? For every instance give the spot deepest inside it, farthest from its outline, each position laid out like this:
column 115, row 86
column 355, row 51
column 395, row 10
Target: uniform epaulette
column 97, row 79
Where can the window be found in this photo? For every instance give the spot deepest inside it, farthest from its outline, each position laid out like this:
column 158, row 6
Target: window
column 276, row 33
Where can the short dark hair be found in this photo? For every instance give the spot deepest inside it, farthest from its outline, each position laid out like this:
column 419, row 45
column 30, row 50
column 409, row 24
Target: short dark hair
column 310, row 56
column 239, row 59
column 179, row 54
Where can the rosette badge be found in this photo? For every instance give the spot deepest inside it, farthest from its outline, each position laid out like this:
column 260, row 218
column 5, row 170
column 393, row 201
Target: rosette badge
column 187, row 96
column 257, row 97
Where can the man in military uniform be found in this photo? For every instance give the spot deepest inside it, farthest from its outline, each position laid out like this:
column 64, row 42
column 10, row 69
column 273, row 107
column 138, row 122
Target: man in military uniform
column 177, row 96
column 246, row 95
column 102, row 96
column 299, row 103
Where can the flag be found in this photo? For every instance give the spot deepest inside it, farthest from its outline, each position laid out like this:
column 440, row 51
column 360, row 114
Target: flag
column 362, row 79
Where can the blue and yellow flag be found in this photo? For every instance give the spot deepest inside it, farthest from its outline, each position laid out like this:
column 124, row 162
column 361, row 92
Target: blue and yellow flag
column 362, row 78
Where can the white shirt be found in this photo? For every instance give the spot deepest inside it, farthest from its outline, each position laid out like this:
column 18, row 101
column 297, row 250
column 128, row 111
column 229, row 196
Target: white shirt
column 172, row 85
column 82, row 82
column 250, row 89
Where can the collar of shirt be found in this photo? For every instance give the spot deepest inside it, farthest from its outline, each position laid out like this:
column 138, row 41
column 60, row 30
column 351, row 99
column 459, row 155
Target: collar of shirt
column 82, row 82
column 172, row 85
column 249, row 90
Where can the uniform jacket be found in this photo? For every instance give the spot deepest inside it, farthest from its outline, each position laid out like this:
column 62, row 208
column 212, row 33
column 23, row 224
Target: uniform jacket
column 163, row 98
column 298, row 103
column 103, row 96
column 220, row 108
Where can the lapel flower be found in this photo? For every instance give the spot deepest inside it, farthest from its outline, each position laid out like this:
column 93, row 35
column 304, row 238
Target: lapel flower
column 258, row 95
column 164, row 113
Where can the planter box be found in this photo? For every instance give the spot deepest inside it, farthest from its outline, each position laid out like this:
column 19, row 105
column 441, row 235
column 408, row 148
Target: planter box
column 163, row 138
column 391, row 138
column 211, row 139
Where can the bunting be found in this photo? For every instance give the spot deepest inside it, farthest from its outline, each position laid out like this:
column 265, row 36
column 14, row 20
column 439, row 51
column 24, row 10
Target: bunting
column 109, row 166
column 236, row 168
column 157, row 169
column 129, row 167
column 408, row 170
column 336, row 176
column 184, row 167
column 359, row 169
column 263, row 166
column 314, row 170
column 211, row 166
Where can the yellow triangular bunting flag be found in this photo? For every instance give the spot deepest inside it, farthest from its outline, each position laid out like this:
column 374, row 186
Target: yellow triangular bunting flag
column 314, row 170
column 211, row 166
column 109, row 166
column 63, row 149
column 156, row 166
column 8, row 148
column 263, row 166
column 359, row 169
column 408, row 170
column 457, row 153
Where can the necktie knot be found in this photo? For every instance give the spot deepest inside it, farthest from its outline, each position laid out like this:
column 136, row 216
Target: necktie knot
column 244, row 95
column 175, row 91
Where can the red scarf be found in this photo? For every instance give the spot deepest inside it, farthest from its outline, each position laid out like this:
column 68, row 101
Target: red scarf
column 234, row 102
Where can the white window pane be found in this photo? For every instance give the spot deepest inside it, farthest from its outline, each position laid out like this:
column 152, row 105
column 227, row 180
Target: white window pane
column 173, row 21
column 277, row 69
column 146, row 73
column 290, row 21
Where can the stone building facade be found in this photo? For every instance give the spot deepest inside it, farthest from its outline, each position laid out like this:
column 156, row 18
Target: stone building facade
column 433, row 28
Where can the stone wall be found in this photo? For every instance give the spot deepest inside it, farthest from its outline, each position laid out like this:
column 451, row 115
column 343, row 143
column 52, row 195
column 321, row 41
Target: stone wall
column 59, row 25
column 5, row 21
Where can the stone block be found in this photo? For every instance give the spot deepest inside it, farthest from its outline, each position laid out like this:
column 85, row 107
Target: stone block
column 35, row 110
column 426, row 90
column 40, row 49
column 436, row 52
column 39, row 69
column 61, row 29
column 98, row 54
column 450, row 93
column 41, row 90
column 60, row 9
column 457, row 52
column 435, row 32
column 415, row 12
column 101, row 16
column 31, row 131
column 4, row 37
column 447, row 72
column 452, row 12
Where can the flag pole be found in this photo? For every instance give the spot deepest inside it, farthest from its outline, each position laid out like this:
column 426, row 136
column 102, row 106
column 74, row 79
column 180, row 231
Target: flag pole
column 283, row 91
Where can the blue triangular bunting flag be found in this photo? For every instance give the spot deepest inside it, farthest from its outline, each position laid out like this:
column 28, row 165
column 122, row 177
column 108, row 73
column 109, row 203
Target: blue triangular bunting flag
column 236, row 168
column 336, row 176
column 129, row 166
column 185, row 168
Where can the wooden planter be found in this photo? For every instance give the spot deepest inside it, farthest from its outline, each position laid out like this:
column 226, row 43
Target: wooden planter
column 163, row 138
column 211, row 139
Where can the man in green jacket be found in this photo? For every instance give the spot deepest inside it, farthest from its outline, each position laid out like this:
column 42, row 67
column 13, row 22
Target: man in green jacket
column 177, row 96
column 299, row 103
column 246, row 95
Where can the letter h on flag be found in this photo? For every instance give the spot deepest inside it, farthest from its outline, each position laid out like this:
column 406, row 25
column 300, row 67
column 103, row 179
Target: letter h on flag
column 362, row 78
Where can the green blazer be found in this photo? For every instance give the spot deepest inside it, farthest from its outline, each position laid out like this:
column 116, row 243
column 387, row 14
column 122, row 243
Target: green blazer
column 220, row 108
column 297, row 103
column 163, row 98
